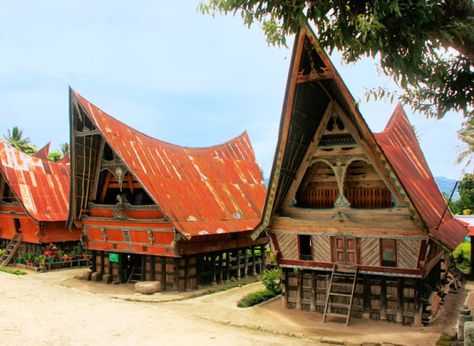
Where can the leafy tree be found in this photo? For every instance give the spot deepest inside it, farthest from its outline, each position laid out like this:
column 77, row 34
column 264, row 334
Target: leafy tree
column 466, row 134
column 55, row 156
column 65, row 149
column 15, row 139
column 426, row 46
column 465, row 204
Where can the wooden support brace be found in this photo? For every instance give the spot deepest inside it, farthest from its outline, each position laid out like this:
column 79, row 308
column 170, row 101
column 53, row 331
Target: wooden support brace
column 254, row 268
column 238, row 265
column 285, row 292
column 221, row 268
column 186, row 274
column 214, row 273
column 176, row 275
column 246, row 262
column 313, row 292
column 299, row 290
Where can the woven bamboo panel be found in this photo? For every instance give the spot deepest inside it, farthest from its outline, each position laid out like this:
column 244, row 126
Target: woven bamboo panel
column 288, row 245
column 369, row 252
column 407, row 253
column 321, row 248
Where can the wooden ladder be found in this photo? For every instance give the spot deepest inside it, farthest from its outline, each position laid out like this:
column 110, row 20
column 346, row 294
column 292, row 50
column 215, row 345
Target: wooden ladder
column 341, row 293
column 11, row 249
column 135, row 275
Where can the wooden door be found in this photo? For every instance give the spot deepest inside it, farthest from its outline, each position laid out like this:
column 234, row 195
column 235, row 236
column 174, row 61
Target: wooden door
column 345, row 250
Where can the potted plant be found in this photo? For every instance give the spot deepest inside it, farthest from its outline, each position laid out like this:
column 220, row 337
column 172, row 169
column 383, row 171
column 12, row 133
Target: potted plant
column 42, row 262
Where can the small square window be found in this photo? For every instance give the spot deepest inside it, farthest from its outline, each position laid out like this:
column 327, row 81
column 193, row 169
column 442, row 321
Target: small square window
column 305, row 247
column 389, row 252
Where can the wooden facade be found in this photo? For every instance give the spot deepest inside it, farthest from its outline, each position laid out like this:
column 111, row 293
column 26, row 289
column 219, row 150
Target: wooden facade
column 354, row 233
column 150, row 210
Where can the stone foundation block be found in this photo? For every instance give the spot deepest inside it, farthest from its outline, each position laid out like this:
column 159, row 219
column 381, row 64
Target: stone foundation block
column 147, row 287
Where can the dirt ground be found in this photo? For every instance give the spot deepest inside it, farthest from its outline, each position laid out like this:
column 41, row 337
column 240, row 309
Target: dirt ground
column 56, row 309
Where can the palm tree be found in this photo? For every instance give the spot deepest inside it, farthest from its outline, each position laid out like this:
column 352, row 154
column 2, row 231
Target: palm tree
column 64, row 149
column 16, row 140
column 466, row 134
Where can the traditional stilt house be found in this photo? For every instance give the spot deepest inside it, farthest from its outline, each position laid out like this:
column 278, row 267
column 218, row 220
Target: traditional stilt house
column 34, row 201
column 151, row 210
column 355, row 218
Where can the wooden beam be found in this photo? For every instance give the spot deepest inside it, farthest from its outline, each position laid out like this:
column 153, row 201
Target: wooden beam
column 105, row 186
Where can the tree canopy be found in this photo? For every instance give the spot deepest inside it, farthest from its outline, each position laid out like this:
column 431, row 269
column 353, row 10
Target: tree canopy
column 15, row 139
column 426, row 46
column 465, row 204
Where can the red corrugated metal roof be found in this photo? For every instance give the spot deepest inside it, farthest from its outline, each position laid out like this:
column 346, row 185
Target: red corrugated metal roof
column 209, row 190
column 400, row 145
column 40, row 185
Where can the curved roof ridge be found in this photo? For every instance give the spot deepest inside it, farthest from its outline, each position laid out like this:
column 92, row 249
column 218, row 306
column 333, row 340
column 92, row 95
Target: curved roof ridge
column 206, row 190
column 244, row 134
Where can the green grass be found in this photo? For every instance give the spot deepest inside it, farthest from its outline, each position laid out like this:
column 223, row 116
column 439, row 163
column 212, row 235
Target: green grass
column 13, row 271
column 446, row 340
column 255, row 298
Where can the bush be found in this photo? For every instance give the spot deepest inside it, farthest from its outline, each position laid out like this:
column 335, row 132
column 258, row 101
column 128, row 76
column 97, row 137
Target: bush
column 271, row 280
column 13, row 271
column 462, row 256
column 255, row 298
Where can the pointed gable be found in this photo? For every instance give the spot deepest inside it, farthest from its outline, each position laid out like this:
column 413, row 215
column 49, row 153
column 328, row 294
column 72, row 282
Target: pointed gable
column 43, row 152
column 400, row 145
column 313, row 88
column 41, row 186
column 202, row 191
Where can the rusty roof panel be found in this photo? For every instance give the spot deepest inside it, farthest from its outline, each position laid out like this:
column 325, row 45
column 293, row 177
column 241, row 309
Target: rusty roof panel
column 400, row 145
column 42, row 187
column 202, row 190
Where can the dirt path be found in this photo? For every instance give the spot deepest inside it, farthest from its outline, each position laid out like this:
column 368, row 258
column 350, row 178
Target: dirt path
column 41, row 312
column 55, row 309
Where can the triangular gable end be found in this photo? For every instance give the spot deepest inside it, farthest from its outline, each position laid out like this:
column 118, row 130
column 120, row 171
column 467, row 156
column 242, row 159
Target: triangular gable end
column 100, row 174
column 340, row 170
column 313, row 87
column 43, row 152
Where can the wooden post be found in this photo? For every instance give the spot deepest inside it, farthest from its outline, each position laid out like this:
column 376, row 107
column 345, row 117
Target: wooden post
column 198, row 271
column 238, row 265
column 93, row 263
column 221, row 268
column 214, row 274
column 163, row 272
column 246, row 262
column 152, row 268
column 312, row 306
column 254, row 268
column 121, row 275
column 262, row 258
column 186, row 273
column 285, row 289
column 102, row 265
column 299, row 290
column 143, row 267
column 176, row 275
column 227, row 266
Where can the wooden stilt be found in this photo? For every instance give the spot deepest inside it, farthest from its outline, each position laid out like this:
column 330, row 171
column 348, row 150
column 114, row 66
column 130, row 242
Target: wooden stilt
column 186, row 274
column 93, row 262
column 163, row 272
column 176, row 275
column 312, row 306
column 221, row 268
column 238, row 265
column 143, row 267
column 285, row 289
column 254, row 268
column 262, row 258
column 227, row 266
column 198, row 271
column 152, row 268
column 214, row 273
column 299, row 290
column 102, row 264
column 246, row 261
column 121, row 274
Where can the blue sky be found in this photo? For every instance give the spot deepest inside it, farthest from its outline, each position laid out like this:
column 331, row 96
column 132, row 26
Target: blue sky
column 167, row 70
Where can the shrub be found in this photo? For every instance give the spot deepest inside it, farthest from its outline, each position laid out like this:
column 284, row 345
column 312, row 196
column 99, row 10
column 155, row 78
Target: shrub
column 271, row 280
column 13, row 271
column 462, row 256
column 255, row 298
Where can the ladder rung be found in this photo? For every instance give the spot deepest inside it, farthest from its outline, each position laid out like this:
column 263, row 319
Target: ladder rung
column 339, row 305
column 340, row 294
column 336, row 314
